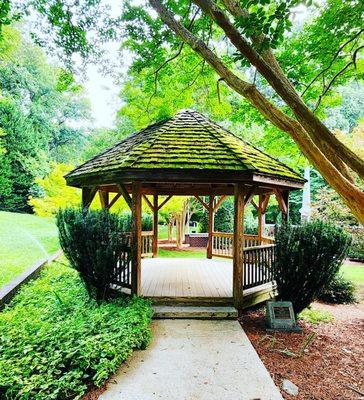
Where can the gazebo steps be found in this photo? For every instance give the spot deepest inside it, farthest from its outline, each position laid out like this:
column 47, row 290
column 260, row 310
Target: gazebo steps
column 193, row 312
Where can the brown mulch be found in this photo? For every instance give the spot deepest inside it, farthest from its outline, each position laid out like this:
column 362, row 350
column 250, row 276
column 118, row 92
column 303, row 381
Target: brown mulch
column 331, row 367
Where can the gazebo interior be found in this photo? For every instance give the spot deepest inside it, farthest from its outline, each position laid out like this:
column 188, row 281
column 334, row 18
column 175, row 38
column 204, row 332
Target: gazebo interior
column 189, row 155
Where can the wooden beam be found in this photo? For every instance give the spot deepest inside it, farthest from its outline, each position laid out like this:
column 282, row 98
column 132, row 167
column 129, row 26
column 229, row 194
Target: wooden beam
column 114, row 200
column 238, row 247
column 265, row 203
column 164, row 202
column 211, row 226
column 155, row 225
column 254, row 204
column 202, row 202
column 136, row 238
column 88, row 194
column 219, row 202
column 125, row 194
column 104, row 199
column 281, row 201
column 150, row 205
column 249, row 195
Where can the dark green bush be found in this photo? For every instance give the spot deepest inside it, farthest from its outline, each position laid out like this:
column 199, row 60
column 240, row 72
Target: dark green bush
column 340, row 291
column 91, row 243
column 55, row 341
column 224, row 217
column 308, row 257
column 125, row 218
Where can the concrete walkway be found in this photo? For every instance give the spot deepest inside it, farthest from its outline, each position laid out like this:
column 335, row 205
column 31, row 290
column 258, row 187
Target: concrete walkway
column 194, row 360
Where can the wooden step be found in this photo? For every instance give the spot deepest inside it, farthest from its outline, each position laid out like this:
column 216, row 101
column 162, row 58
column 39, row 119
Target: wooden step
column 193, row 312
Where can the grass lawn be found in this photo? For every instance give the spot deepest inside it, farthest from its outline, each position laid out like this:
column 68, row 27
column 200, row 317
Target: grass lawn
column 185, row 253
column 354, row 273
column 24, row 239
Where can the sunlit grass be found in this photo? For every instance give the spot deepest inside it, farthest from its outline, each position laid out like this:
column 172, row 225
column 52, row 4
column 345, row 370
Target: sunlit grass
column 24, row 239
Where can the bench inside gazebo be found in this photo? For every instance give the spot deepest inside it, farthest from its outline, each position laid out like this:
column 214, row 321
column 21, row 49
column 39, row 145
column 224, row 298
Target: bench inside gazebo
column 189, row 155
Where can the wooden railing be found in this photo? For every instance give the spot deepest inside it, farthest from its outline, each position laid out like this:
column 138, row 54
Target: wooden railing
column 258, row 265
column 147, row 244
column 122, row 272
column 222, row 243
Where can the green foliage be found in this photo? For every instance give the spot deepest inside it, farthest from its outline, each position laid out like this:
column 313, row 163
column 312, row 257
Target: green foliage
column 55, row 192
column 126, row 220
column 356, row 250
column 55, row 341
column 224, row 217
column 307, row 259
column 203, row 225
column 339, row 290
column 36, row 117
column 324, row 46
column 315, row 316
column 92, row 244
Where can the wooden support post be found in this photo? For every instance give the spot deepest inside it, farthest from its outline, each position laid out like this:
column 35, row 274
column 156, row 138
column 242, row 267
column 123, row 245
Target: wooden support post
column 155, row 225
column 238, row 248
column 104, row 199
column 261, row 218
column 136, row 238
column 211, row 226
column 285, row 197
column 88, row 195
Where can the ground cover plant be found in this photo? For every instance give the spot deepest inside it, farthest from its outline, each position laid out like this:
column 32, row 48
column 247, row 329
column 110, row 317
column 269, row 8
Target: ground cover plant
column 55, row 340
column 307, row 259
column 24, row 239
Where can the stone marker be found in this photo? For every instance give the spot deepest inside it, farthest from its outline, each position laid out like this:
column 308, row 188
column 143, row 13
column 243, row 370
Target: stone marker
column 289, row 387
column 280, row 316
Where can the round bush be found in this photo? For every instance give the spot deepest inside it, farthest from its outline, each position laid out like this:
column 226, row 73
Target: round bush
column 340, row 291
column 308, row 257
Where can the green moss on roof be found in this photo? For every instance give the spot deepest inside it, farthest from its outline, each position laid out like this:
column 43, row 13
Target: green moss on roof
column 187, row 141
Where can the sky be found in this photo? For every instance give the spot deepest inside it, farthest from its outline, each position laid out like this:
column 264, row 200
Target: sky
column 102, row 90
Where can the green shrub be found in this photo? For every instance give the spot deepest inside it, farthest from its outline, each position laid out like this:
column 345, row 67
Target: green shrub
column 340, row 290
column 92, row 244
column 203, row 225
column 126, row 218
column 55, row 340
column 308, row 257
column 356, row 249
column 224, row 217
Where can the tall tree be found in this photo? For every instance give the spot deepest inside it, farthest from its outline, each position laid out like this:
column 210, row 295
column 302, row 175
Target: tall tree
column 39, row 105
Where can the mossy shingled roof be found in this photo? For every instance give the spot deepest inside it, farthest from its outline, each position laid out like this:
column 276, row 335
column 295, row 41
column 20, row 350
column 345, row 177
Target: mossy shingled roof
column 188, row 140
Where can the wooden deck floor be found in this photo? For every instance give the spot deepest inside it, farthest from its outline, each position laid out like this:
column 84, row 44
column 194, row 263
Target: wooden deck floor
column 186, row 277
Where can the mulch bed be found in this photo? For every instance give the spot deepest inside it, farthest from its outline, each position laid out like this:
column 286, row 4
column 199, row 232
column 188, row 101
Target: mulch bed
column 331, row 366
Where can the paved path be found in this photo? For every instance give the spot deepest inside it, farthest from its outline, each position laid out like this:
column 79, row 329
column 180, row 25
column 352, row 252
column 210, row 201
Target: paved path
column 194, row 360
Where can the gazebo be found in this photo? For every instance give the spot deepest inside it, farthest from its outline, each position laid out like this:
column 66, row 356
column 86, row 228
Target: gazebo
column 190, row 155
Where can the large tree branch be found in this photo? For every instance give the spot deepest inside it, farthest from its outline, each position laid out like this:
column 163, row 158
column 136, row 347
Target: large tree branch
column 319, row 133
column 352, row 196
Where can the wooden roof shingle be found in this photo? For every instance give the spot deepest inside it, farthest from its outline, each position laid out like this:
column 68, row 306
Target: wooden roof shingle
column 188, row 140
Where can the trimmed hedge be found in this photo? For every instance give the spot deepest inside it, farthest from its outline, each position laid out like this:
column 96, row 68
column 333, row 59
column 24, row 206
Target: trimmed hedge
column 55, row 340
column 308, row 257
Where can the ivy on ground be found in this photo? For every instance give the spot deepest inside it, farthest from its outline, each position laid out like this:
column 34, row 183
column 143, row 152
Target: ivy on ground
column 55, row 341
